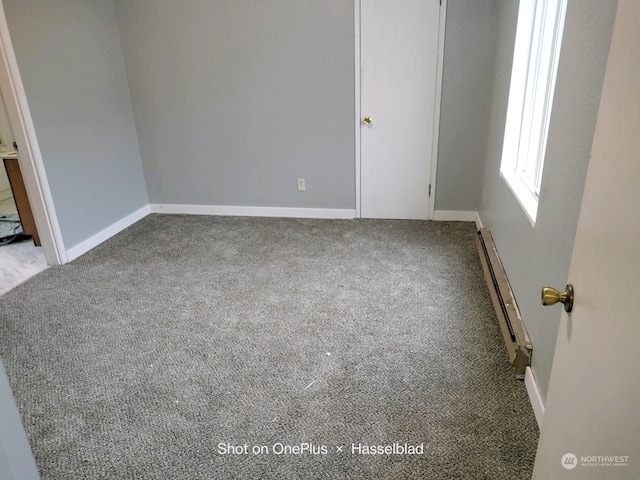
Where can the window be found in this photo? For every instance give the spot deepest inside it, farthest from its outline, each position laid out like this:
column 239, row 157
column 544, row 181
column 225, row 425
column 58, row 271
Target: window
column 533, row 74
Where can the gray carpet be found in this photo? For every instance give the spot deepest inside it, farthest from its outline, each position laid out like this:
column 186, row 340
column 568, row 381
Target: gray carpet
column 140, row 358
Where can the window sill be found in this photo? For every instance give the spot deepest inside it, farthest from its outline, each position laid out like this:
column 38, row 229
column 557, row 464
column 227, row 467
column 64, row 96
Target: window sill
column 527, row 200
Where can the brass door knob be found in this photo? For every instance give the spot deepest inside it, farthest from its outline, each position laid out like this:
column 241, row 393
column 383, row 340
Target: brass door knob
column 551, row 296
column 367, row 120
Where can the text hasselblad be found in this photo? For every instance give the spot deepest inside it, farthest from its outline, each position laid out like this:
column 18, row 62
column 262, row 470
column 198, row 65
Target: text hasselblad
column 309, row 448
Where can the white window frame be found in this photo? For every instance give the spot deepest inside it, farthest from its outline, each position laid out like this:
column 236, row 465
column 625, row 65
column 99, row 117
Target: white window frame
column 533, row 76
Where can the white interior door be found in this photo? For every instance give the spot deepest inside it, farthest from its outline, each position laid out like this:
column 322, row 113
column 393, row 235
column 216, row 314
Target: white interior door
column 591, row 424
column 398, row 52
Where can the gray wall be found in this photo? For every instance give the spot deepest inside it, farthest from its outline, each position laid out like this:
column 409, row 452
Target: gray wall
column 7, row 136
column 71, row 65
column 235, row 100
column 466, row 101
column 534, row 256
column 16, row 460
column 5, row 127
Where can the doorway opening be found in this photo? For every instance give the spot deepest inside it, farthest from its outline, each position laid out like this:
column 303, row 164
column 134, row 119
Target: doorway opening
column 21, row 255
column 34, row 193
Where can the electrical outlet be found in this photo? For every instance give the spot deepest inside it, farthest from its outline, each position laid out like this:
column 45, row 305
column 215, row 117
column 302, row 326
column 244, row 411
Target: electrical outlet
column 301, row 186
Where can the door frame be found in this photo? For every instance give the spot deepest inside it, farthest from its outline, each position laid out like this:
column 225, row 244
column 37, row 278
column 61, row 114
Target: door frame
column 30, row 157
column 436, row 107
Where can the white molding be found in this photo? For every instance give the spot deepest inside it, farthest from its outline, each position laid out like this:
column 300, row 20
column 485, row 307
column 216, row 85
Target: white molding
column 242, row 211
column 456, row 216
column 107, row 233
column 29, row 157
column 358, row 111
column 213, row 210
column 534, row 395
column 436, row 108
column 479, row 223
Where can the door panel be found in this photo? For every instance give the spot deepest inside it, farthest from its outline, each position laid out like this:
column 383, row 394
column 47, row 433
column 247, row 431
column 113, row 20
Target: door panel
column 399, row 44
column 591, row 425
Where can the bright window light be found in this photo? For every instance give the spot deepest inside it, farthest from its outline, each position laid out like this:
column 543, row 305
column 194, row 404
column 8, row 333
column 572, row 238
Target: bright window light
column 533, row 75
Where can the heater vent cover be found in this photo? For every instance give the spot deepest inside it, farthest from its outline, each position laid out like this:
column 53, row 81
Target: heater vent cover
column 514, row 333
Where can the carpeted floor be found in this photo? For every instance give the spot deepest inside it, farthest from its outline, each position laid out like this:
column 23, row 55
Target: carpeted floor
column 145, row 357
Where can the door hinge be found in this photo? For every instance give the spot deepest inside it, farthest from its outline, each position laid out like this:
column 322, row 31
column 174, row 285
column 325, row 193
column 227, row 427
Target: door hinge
column 15, row 146
column 429, row 189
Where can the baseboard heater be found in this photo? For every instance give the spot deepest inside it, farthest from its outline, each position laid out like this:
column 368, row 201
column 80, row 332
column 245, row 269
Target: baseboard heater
column 515, row 336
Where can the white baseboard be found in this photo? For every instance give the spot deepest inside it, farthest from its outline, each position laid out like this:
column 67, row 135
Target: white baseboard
column 110, row 231
column 534, row 395
column 233, row 211
column 457, row 216
column 229, row 210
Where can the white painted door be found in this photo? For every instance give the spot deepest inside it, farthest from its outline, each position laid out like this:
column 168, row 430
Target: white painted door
column 398, row 48
column 591, row 424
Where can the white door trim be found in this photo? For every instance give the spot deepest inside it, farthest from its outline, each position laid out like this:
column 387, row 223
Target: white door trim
column 436, row 109
column 358, row 110
column 30, row 158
